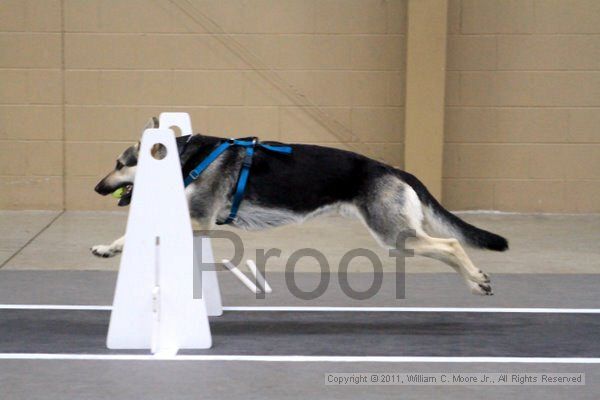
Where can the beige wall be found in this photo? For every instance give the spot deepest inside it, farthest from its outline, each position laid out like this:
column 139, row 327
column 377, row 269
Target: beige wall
column 79, row 78
column 522, row 106
column 31, row 128
column 126, row 60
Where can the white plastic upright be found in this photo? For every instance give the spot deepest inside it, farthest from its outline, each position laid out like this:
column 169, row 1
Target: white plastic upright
column 179, row 119
column 154, row 306
column 204, row 267
column 202, row 245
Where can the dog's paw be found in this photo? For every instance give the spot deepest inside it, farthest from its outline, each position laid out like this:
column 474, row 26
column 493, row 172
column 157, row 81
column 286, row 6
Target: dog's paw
column 482, row 289
column 480, row 277
column 104, row 251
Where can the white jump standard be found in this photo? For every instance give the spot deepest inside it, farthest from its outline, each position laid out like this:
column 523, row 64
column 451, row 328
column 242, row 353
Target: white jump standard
column 155, row 306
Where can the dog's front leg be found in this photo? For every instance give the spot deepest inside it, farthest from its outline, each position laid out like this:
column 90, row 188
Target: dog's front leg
column 103, row 250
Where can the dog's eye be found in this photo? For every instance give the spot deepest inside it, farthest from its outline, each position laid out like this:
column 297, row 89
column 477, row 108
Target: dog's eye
column 119, row 165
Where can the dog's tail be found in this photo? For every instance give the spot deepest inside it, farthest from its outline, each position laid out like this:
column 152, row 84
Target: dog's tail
column 445, row 223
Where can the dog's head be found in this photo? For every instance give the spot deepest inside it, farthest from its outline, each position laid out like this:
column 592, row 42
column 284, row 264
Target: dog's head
column 122, row 176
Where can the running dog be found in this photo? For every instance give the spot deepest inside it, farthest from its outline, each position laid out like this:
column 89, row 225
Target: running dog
column 314, row 180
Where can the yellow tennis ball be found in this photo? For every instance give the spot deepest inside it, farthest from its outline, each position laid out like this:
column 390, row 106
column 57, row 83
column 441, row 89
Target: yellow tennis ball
column 117, row 194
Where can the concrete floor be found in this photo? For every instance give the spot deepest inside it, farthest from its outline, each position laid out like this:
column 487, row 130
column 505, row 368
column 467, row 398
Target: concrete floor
column 100, row 380
column 17, row 228
column 421, row 290
column 554, row 261
column 539, row 243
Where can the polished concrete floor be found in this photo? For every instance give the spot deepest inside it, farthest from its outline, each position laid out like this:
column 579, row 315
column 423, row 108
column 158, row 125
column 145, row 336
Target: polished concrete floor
column 539, row 243
column 60, row 380
column 554, row 262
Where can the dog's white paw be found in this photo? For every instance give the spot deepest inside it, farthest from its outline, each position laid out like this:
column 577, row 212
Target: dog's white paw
column 103, row 250
column 482, row 289
column 480, row 277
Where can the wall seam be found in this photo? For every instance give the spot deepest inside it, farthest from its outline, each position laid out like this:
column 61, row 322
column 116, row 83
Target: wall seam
column 63, row 108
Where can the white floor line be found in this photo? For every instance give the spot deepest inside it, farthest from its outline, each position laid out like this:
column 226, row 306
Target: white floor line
column 54, row 307
column 540, row 310
column 423, row 309
column 312, row 359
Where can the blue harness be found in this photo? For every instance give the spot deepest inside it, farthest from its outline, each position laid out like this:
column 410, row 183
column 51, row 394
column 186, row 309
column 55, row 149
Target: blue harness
column 250, row 146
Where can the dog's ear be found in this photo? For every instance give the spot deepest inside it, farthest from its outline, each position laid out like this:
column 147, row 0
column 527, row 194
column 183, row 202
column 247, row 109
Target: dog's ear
column 158, row 151
column 152, row 123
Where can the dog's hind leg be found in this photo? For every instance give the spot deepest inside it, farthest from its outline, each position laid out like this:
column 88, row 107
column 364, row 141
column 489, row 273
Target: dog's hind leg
column 451, row 252
column 109, row 250
column 394, row 214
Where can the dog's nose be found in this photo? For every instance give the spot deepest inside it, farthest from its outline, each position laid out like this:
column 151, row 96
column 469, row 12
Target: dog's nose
column 100, row 189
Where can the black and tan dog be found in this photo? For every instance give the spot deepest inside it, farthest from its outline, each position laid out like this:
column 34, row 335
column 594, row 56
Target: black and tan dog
column 312, row 181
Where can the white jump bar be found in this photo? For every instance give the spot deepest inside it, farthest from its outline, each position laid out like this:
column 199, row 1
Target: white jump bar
column 241, row 276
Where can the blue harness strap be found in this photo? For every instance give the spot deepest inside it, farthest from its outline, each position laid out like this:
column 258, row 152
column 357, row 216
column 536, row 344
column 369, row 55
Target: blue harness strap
column 250, row 146
column 195, row 173
column 241, row 186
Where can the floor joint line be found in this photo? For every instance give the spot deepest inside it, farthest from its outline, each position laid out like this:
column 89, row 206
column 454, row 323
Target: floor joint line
column 32, row 239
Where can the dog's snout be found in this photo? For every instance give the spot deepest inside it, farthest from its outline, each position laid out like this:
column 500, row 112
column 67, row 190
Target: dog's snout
column 102, row 189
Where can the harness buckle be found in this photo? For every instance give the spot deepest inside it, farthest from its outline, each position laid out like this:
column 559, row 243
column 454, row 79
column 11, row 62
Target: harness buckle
column 194, row 175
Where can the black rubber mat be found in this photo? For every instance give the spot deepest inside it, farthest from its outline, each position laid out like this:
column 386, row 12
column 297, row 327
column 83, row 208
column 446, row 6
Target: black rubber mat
column 329, row 333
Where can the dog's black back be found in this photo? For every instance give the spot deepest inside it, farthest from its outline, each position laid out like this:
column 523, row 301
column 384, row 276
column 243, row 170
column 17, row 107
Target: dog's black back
column 305, row 180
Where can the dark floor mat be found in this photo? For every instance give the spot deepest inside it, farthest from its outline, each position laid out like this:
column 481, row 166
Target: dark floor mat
column 328, row 333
